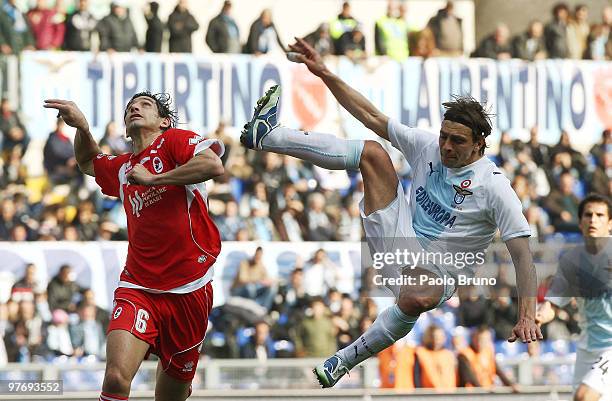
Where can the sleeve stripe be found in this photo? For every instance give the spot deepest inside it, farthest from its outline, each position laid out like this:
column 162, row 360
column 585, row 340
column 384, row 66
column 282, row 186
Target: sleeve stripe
column 214, row 144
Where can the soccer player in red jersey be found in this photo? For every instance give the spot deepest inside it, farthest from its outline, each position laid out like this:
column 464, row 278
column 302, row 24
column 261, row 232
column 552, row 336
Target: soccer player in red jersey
column 164, row 295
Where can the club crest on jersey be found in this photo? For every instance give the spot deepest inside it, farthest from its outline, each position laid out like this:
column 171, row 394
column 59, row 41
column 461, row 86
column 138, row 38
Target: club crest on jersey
column 461, row 193
column 158, row 165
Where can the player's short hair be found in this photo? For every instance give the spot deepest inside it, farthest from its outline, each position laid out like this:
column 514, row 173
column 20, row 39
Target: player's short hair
column 595, row 198
column 163, row 102
column 468, row 111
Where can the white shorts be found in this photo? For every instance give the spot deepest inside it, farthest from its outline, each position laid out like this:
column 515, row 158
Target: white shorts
column 594, row 368
column 390, row 229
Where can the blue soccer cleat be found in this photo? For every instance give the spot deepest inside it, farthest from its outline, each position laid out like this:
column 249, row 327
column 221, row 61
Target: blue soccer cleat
column 264, row 120
column 329, row 372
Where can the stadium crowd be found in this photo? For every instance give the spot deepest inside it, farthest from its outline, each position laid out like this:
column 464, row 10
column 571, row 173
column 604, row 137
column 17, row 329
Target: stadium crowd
column 67, row 26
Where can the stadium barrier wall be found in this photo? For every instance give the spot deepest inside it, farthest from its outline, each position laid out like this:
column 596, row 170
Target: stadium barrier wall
column 237, row 374
column 553, row 94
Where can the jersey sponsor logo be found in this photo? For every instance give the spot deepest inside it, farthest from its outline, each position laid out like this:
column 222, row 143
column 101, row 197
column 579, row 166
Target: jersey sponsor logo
column 433, row 209
column 158, row 165
column 117, row 312
column 461, row 193
column 137, row 203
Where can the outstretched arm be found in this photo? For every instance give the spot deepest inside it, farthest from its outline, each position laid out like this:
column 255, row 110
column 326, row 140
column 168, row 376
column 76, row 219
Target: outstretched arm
column 526, row 328
column 355, row 103
column 85, row 146
column 200, row 168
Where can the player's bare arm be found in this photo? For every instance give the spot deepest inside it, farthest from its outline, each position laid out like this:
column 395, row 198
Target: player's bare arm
column 85, row 146
column 202, row 167
column 526, row 329
column 355, row 103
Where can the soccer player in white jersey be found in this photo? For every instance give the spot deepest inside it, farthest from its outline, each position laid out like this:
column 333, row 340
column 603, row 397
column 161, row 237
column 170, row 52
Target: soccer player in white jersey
column 456, row 193
column 585, row 272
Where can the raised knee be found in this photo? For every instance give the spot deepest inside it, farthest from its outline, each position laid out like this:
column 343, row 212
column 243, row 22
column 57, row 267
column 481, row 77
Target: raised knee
column 116, row 382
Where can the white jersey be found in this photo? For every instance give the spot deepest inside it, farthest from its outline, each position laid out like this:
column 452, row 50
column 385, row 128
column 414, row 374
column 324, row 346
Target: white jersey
column 463, row 205
column 587, row 277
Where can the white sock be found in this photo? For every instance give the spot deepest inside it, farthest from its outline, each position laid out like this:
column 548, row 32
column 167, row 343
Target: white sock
column 390, row 325
column 323, row 150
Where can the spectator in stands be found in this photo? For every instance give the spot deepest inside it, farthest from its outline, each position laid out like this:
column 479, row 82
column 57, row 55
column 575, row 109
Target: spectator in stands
column 34, row 327
column 474, row 308
column 346, row 321
column 602, row 176
column 599, row 43
column 423, row 43
column 113, row 142
column 16, row 342
column 8, row 218
column 495, row 46
column 253, row 282
column 80, row 25
column 320, row 274
column 291, row 215
column 155, row 29
column 562, row 205
column 260, row 226
column 101, row 315
column 9, row 119
column 263, row 36
column 577, row 32
column 87, row 335
column 181, row 24
column 555, row 32
column 25, row 286
column 47, row 26
column 16, row 32
column 343, row 23
column 62, row 289
column 530, row 45
column 315, row 335
column 350, row 227
column 293, row 298
column 58, row 335
column 564, row 146
column 477, row 364
column 447, row 31
column 435, row 366
column 260, row 345
column 391, row 33
column 230, row 222
column 540, row 153
column 15, row 143
column 352, row 44
column 321, row 40
column 86, row 222
column 223, row 34
column 319, row 224
column 58, row 156
column 116, row 31
column 504, row 313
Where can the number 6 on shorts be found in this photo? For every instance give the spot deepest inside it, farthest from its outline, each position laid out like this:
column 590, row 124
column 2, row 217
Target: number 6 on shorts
column 141, row 320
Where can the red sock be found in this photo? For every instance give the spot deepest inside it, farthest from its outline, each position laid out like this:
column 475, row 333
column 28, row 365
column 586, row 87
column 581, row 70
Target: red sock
column 111, row 397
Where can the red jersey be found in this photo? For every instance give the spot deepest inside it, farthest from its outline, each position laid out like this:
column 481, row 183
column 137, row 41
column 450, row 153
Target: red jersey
column 173, row 242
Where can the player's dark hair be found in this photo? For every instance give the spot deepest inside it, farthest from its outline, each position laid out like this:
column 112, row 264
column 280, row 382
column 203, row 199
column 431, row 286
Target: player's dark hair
column 595, row 198
column 163, row 102
column 468, row 111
